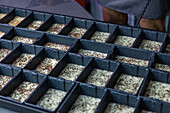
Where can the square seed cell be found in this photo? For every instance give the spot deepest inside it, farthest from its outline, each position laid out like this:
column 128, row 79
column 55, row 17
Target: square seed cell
column 22, row 92
column 2, row 15
column 77, row 32
column 23, row 39
column 92, row 53
column 128, row 83
column 56, row 28
column 46, row 65
column 167, row 50
column 125, row 41
column 100, row 36
column 158, row 90
column 162, row 67
column 57, row 46
column 51, row 99
column 35, row 24
column 4, row 79
column 4, row 52
column 16, row 21
column 99, row 77
column 1, row 33
column 85, row 104
column 133, row 61
column 150, row 45
column 119, row 108
column 144, row 111
column 71, row 71
column 23, row 60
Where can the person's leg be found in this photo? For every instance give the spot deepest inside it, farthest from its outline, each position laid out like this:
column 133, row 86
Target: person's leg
column 154, row 24
column 113, row 16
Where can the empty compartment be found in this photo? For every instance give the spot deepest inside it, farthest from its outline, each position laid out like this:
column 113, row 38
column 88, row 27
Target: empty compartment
column 71, row 67
column 82, row 98
column 161, row 62
column 22, row 36
column 16, row 17
column 150, row 40
column 131, row 56
column 4, row 11
column 45, row 61
column 4, row 29
column 99, row 72
column 50, row 94
column 146, row 105
column 100, row 32
column 92, row 49
column 6, row 49
column 115, row 102
column 77, row 28
column 124, row 36
column 58, row 42
column 156, row 86
column 7, row 73
column 35, row 20
column 128, row 79
column 22, row 86
column 22, row 55
column 55, row 24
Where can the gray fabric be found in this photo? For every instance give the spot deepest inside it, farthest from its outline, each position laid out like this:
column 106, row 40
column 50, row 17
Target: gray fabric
column 156, row 8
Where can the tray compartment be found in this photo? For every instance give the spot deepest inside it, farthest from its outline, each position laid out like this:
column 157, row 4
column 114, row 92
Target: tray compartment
column 4, row 11
column 16, row 17
column 55, row 24
column 82, row 25
column 56, row 42
column 71, row 67
column 131, row 56
column 92, row 49
column 4, row 29
column 95, row 94
column 48, row 101
column 45, row 62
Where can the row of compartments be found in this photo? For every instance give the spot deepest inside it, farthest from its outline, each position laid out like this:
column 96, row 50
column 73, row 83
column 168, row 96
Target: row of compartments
column 37, row 53
column 90, row 30
column 50, row 94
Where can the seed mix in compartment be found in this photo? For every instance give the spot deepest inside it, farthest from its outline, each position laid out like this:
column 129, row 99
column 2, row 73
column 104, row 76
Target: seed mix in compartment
column 57, row 46
column 2, row 33
column 2, row 15
column 100, row 36
column 162, row 67
column 23, row 39
column 16, row 21
column 125, row 41
column 4, row 52
column 77, row 32
column 4, row 79
column 56, row 28
column 35, row 25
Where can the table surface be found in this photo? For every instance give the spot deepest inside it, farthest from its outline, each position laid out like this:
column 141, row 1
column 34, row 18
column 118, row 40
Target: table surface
column 64, row 7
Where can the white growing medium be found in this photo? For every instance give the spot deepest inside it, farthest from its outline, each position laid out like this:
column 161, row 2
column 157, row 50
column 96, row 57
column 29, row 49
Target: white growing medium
column 2, row 15
column 162, row 67
column 150, row 45
column 57, row 46
column 3, row 53
column 131, row 60
column 119, row 108
column 77, row 32
column 35, row 24
column 92, row 53
column 100, row 36
column 22, row 92
column 56, row 28
column 51, row 99
column 158, row 90
column 4, row 79
column 167, row 50
column 85, row 104
column 16, row 21
column 71, row 71
column 144, row 111
column 23, row 39
column 2, row 33
column 99, row 77
column 47, row 65
column 23, row 60
column 125, row 40
column 128, row 83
